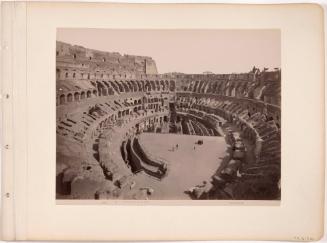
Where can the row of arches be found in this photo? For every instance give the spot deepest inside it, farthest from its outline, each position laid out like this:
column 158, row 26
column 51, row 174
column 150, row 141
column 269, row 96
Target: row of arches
column 75, row 96
column 106, row 88
column 251, row 106
column 137, row 85
column 123, row 86
column 228, row 88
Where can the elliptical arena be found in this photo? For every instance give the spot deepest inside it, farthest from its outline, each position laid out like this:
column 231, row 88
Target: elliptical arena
column 126, row 132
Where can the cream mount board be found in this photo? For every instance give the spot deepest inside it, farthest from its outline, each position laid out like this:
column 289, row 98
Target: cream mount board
column 31, row 31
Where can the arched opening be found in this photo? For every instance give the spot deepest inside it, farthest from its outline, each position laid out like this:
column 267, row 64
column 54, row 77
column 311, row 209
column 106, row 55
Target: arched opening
column 104, row 92
column 82, row 95
column 62, row 99
column 95, row 93
column 88, row 94
column 172, row 85
column 76, row 96
column 166, row 84
column 110, row 91
column 57, row 73
column 66, row 75
column 69, row 97
column 74, row 75
column 153, row 85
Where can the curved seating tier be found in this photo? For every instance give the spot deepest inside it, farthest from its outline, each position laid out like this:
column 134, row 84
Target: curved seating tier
column 203, row 114
column 258, row 127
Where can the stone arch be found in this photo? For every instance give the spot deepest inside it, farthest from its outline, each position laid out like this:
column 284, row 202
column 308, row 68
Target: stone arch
column 205, row 87
column 69, row 97
column 130, row 86
column 139, row 85
column 233, row 91
column 104, row 92
column 166, row 84
column 62, row 99
column 114, row 86
column 157, row 85
column 88, row 94
column 120, row 87
column 142, row 85
column 162, row 84
column 76, row 96
column 172, row 85
column 147, row 86
column 82, row 95
column 153, row 85
column 136, row 86
column 95, row 92
column 57, row 73
column 125, row 86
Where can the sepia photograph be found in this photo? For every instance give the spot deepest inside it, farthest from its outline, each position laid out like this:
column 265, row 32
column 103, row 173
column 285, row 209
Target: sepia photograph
column 168, row 114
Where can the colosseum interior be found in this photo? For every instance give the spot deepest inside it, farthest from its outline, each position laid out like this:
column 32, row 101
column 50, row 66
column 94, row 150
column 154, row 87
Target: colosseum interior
column 124, row 131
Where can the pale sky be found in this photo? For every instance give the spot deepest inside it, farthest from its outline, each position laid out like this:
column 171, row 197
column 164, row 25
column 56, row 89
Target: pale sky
column 187, row 51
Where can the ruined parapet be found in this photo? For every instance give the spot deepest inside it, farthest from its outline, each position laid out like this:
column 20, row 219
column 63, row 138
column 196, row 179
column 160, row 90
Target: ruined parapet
column 150, row 66
column 84, row 59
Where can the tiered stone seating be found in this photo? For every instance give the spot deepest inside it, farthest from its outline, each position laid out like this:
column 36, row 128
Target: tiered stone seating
column 264, row 133
column 103, row 96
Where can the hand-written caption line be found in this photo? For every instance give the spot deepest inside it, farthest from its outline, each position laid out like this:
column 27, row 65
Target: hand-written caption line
column 303, row 238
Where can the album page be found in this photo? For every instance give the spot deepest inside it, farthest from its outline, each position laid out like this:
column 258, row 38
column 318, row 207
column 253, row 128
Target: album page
column 163, row 121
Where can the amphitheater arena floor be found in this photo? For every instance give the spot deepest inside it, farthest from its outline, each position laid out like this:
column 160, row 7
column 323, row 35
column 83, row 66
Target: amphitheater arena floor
column 187, row 167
